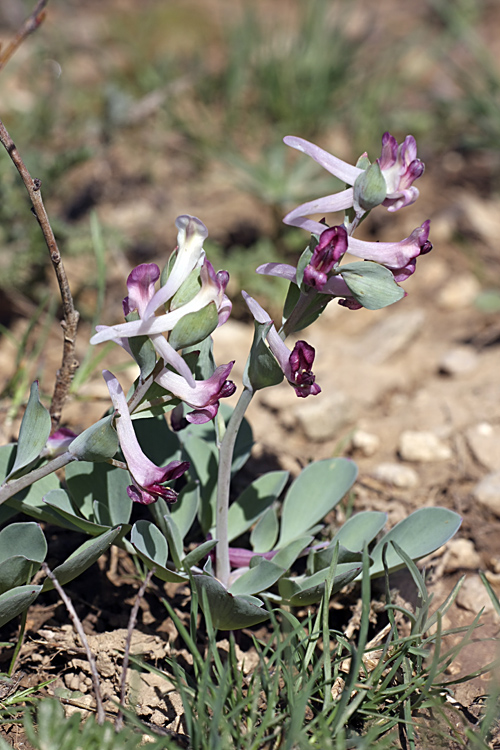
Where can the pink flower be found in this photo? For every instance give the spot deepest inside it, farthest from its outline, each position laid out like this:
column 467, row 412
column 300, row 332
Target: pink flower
column 204, row 396
column 296, row 364
column 147, row 477
column 399, row 165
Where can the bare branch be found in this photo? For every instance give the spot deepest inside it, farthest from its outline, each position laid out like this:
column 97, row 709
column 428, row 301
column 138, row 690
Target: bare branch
column 69, row 325
column 101, row 715
column 29, row 26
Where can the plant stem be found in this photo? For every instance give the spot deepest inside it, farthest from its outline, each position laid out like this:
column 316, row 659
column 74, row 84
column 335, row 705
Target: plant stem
column 303, row 303
column 224, row 485
column 11, row 488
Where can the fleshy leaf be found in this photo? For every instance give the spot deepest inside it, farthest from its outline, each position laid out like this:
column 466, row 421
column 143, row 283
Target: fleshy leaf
column 228, row 612
column 309, row 590
column 22, row 551
column 174, row 540
column 152, row 548
column 59, row 501
column 289, row 553
column 360, row 529
column 254, row 501
column 258, row 578
column 202, row 550
column 204, row 462
column 371, row 284
column 264, row 535
column 83, row 557
column 88, row 482
column 313, row 494
column 184, row 510
column 423, row 532
column 33, row 433
column 16, row 600
column 322, row 559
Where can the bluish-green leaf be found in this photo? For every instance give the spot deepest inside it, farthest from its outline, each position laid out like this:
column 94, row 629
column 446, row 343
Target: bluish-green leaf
column 59, row 501
column 264, row 535
column 204, row 464
column 199, row 552
column 371, row 284
column 262, row 369
column 15, row 601
column 228, row 612
column 83, row 557
column 309, row 590
column 25, row 539
column 33, row 433
column 152, row 548
column 257, row 579
column 289, row 553
column 254, row 501
column 313, row 494
column 174, row 540
column 322, row 559
column 423, row 532
column 360, row 529
column 185, row 509
column 88, row 482
column 16, row 571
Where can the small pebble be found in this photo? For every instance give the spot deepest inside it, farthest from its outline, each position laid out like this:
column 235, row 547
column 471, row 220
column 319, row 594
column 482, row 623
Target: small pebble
column 487, row 492
column 461, row 554
column 484, row 441
column 473, row 595
column 396, row 474
column 324, row 416
column 458, row 361
column 366, row 442
column 423, row 447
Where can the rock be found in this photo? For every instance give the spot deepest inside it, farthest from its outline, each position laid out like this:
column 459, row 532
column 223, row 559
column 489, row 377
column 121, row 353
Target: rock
column 396, row 474
column 423, row 447
column 459, row 293
column 461, row 359
column 460, row 554
column 366, row 442
column 484, row 441
column 391, row 335
column 322, row 417
column 487, row 492
column 473, row 595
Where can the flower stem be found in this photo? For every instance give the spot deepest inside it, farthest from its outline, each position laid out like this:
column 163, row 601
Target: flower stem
column 11, row 488
column 224, row 484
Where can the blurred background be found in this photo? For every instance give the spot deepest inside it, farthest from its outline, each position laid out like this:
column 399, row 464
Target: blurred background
column 133, row 113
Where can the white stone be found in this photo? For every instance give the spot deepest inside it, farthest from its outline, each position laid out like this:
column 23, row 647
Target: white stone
column 473, row 595
column 391, row 335
column 461, row 555
column 484, row 441
column 460, row 360
column 423, row 447
column 322, row 417
column 366, row 442
column 487, row 492
column 396, row 474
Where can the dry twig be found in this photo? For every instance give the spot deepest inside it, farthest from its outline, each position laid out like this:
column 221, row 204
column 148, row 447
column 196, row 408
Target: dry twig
column 69, row 325
column 101, row 714
column 29, row 26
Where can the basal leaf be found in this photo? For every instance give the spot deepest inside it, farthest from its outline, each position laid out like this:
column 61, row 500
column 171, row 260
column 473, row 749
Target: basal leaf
column 33, row 433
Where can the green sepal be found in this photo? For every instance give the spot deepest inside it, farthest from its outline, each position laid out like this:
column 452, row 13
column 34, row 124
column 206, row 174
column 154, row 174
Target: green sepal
column 187, row 290
column 370, row 188
column 142, row 349
column 97, row 443
column 262, row 369
column 194, row 327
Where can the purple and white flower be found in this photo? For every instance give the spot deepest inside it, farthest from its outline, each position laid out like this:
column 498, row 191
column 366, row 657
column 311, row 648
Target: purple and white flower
column 204, row 397
column 147, row 477
column 296, row 364
column 399, row 165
